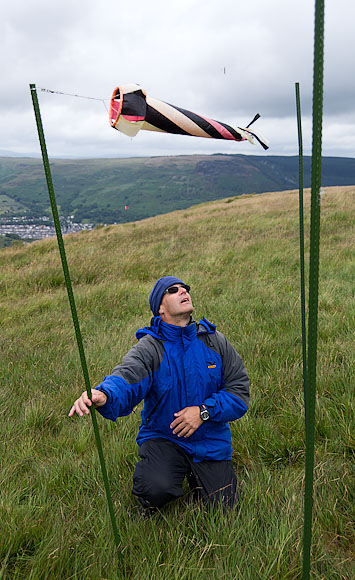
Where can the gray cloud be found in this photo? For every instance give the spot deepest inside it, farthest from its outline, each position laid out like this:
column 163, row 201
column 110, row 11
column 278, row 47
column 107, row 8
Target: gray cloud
column 228, row 60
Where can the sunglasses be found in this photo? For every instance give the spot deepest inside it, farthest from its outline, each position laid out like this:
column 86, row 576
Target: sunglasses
column 174, row 289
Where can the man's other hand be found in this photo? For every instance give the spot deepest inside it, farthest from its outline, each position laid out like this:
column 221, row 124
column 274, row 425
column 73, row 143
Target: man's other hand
column 186, row 422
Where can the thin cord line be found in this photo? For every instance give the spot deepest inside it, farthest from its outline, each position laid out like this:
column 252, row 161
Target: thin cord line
column 74, row 95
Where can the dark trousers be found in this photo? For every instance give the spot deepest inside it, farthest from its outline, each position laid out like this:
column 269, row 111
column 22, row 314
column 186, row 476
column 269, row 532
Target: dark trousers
column 162, row 468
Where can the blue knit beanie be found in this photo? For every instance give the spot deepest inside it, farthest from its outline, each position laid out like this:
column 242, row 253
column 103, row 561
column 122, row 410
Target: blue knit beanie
column 156, row 295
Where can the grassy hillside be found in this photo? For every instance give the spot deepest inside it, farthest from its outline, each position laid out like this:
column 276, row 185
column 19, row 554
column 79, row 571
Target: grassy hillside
column 240, row 256
column 99, row 189
column 9, row 239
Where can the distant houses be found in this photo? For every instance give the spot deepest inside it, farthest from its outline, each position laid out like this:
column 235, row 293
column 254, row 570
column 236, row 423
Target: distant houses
column 40, row 227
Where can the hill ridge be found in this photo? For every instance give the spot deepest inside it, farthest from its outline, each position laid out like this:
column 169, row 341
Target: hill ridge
column 129, row 189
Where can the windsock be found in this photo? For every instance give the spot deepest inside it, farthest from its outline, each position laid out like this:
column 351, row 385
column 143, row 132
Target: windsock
column 132, row 110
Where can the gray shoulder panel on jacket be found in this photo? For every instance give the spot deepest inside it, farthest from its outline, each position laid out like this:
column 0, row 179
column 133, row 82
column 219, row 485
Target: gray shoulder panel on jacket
column 141, row 360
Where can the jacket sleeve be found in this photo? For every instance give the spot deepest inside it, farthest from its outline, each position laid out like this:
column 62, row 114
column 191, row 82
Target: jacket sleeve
column 232, row 400
column 130, row 381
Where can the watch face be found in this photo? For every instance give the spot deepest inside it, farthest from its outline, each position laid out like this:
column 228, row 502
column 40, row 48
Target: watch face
column 204, row 414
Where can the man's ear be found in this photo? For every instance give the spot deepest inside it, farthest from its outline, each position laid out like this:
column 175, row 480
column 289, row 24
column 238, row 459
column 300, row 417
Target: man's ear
column 161, row 307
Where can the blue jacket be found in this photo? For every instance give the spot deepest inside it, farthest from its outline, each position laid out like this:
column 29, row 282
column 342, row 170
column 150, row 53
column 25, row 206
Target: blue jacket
column 173, row 367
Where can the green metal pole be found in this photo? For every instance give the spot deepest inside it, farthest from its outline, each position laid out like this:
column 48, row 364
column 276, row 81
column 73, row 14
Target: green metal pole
column 301, row 223
column 313, row 279
column 72, row 306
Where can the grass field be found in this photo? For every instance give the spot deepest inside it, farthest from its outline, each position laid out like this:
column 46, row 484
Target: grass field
column 241, row 257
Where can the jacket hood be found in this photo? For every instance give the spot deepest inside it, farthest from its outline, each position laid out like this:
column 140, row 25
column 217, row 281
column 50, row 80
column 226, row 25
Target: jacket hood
column 163, row 331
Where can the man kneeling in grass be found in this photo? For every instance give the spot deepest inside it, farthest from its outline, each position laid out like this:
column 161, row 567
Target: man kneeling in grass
column 193, row 383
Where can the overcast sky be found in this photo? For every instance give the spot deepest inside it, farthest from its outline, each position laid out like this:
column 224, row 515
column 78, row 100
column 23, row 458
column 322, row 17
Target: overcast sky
column 227, row 60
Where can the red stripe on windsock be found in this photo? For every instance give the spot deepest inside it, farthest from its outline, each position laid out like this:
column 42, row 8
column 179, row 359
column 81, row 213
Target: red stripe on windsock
column 132, row 118
column 222, row 130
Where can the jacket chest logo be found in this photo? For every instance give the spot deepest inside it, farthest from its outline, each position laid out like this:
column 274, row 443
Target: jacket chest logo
column 211, row 365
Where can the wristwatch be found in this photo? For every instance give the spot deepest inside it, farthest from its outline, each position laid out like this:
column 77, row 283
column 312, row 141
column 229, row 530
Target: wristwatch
column 204, row 414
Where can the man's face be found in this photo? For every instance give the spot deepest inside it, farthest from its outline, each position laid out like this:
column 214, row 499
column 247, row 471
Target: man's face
column 176, row 305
